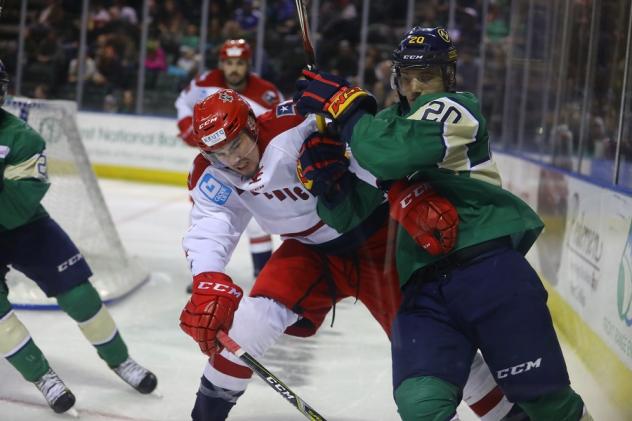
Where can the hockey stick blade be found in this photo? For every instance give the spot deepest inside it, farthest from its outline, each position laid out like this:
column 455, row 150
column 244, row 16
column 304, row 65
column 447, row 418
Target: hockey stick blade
column 271, row 380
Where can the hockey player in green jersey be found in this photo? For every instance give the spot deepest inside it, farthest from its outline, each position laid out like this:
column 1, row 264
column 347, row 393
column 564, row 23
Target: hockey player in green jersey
column 481, row 295
column 33, row 243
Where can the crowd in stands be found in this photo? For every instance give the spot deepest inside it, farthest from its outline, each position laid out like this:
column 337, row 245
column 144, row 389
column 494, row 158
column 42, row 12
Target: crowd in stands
column 173, row 56
column 173, row 52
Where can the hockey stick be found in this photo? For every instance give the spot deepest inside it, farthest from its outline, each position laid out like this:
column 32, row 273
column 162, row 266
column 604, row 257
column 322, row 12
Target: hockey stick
column 309, row 51
column 270, row 379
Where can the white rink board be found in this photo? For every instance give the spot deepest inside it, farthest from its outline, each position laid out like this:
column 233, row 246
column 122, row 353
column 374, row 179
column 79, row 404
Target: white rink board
column 131, row 141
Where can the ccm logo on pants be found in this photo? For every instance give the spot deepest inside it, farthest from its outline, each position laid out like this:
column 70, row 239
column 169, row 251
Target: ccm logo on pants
column 518, row 369
column 65, row 265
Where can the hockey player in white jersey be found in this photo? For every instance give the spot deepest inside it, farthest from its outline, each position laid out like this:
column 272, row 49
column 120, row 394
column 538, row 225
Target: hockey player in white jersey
column 234, row 73
column 247, row 168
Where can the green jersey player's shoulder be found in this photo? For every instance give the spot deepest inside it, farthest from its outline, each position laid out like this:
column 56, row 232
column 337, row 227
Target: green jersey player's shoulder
column 17, row 134
column 388, row 112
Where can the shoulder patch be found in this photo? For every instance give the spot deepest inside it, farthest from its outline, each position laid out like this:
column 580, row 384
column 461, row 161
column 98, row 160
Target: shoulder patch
column 270, row 96
column 285, row 108
column 214, row 190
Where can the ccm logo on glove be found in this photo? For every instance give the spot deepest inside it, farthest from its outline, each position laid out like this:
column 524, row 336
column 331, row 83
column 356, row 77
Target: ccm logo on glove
column 230, row 289
column 431, row 220
column 211, row 308
column 417, row 192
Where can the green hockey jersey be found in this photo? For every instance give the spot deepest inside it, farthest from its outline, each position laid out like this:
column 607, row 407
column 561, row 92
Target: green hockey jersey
column 442, row 140
column 23, row 171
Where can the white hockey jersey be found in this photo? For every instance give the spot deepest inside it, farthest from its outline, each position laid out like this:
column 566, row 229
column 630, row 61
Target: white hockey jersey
column 224, row 201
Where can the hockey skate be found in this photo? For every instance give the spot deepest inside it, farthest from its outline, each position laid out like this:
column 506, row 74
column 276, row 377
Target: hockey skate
column 136, row 376
column 57, row 395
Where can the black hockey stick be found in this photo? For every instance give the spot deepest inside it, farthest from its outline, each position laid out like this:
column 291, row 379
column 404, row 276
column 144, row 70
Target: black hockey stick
column 309, row 51
column 270, row 379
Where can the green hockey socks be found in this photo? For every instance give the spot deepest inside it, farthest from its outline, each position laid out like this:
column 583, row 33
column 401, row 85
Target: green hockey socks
column 16, row 344
column 563, row 405
column 83, row 304
column 426, row 398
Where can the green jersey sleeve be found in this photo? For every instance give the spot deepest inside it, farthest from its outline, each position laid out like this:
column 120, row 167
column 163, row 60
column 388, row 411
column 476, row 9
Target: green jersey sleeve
column 361, row 201
column 24, row 174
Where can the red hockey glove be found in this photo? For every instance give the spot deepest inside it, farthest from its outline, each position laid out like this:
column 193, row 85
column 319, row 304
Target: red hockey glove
column 431, row 220
column 186, row 131
column 330, row 95
column 213, row 302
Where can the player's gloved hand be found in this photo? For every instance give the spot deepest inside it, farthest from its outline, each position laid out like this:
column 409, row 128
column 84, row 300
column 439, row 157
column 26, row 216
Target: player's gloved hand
column 332, row 96
column 431, row 220
column 186, row 131
column 321, row 163
column 211, row 307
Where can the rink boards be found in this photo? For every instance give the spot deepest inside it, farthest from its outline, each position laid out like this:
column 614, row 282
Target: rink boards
column 585, row 257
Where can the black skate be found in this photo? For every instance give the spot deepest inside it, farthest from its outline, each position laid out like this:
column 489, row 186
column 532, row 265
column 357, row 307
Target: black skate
column 136, row 376
column 57, row 395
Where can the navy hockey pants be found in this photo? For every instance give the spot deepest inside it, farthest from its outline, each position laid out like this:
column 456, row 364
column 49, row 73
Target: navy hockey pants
column 496, row 304
column 43, row 252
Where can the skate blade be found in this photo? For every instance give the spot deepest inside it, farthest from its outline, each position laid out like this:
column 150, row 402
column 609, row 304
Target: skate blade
column 156, row 394
column 72, row 412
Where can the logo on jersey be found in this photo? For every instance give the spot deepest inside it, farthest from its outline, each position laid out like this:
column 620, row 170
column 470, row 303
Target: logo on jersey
column 214, row 190
column 257, row 177
column 299, row 172
column 214, row 138
column 226, row 97
column 286, row 108
column 269, row 96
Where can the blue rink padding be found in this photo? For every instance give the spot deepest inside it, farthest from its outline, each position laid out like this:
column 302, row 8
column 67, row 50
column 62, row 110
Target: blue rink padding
column 114, row 300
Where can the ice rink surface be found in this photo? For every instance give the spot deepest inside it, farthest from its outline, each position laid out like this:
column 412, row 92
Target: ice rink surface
column 343, row 372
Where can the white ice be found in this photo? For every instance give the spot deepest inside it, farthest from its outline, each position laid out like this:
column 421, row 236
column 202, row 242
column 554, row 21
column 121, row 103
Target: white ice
column 343, row 372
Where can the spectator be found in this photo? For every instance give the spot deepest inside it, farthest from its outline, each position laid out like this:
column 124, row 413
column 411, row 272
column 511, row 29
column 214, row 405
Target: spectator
column 188, row 61
column 90, row 69
column 155, row 63
column 127, row 12
column 191, row 37
column 52, row 16
column 247, row 16
column 41, row 91
column 345, row 62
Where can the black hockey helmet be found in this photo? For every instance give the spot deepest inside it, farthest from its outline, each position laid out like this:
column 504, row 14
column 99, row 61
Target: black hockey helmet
column 425, row 47
column 4, row 82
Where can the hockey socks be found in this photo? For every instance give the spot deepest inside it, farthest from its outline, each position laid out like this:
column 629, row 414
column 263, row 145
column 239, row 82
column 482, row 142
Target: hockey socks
column 563, row 405
column 83, row 304
column 213, row 403
column 426, row 398
column 16, row 344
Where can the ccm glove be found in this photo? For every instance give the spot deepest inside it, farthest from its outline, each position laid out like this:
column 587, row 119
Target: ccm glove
column 186, row 131
column 431, row 220
column 211, row 307
column 330, row 95
column 321, row 163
